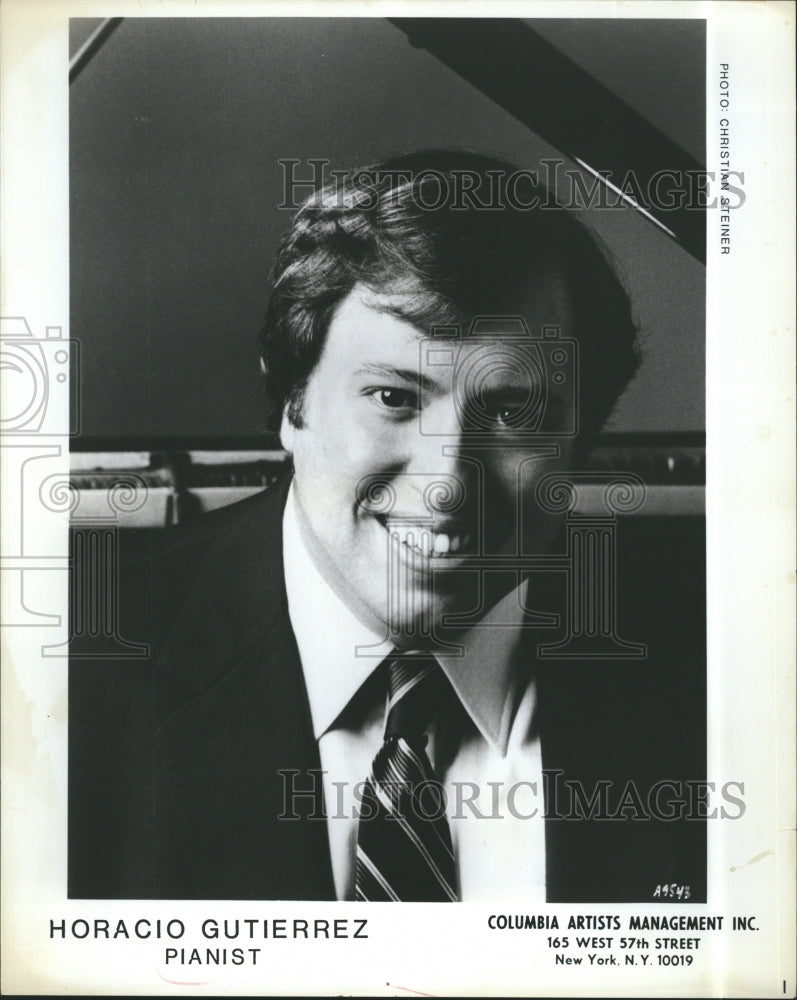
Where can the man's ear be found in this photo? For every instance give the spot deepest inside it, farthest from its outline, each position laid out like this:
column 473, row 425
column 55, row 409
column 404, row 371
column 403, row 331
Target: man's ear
column 287, row 431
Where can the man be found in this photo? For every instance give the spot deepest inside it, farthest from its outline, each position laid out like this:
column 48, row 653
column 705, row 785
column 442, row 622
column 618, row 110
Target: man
column 347, row 695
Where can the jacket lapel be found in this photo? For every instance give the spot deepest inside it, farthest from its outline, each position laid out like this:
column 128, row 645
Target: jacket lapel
column 228, row 753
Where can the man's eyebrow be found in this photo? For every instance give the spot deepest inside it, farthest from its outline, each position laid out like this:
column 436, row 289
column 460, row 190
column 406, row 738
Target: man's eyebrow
column 408, row 375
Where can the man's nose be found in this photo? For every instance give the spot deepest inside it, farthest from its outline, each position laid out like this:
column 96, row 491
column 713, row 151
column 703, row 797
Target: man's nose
column 439, row 466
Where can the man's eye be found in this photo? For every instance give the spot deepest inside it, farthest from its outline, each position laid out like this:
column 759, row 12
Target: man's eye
column 396, row 399
column 509, row 414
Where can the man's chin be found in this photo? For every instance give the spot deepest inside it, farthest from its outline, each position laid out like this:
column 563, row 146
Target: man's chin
column 432, row 622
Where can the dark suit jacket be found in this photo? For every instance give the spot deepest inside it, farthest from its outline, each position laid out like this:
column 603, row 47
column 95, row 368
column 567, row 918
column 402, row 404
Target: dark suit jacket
column 174, row 760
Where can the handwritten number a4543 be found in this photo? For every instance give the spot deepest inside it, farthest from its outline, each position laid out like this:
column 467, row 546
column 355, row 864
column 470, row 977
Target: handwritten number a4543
column 672, row 891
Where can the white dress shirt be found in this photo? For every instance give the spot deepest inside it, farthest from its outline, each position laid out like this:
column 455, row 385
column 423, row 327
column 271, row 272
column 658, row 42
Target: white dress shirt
column 493, row 759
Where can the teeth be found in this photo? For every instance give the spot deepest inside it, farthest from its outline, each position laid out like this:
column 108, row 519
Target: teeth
column 428, row 543
column 444, row 544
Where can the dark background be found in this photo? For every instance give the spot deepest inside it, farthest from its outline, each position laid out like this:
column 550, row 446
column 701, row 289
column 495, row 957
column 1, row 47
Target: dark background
column 176, row 127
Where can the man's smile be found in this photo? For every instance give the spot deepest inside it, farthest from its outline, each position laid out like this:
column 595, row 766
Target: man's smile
column 452, row 542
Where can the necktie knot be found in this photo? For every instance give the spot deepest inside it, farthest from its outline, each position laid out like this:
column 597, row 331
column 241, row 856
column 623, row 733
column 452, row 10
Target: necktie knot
column 415, row 687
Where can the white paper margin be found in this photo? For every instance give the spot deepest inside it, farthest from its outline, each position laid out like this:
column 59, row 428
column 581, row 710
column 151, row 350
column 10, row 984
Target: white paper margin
column 750, row 502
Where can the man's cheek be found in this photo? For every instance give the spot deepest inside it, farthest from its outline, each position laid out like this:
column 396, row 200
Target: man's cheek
column 539, row 530
column 364, row 450
column 505, row 482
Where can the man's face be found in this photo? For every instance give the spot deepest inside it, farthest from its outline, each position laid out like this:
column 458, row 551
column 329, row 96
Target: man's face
column 418, row 458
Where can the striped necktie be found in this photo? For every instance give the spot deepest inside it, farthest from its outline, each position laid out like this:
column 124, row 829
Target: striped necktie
column 404, row 850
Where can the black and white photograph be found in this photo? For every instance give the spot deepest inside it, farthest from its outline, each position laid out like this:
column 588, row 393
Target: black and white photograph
column 381, row 460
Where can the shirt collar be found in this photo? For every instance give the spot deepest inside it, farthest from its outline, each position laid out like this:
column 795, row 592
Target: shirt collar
column 339, row 653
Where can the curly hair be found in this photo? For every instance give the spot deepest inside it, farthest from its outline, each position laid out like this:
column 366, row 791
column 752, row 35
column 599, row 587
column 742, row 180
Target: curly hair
column 458, row 235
